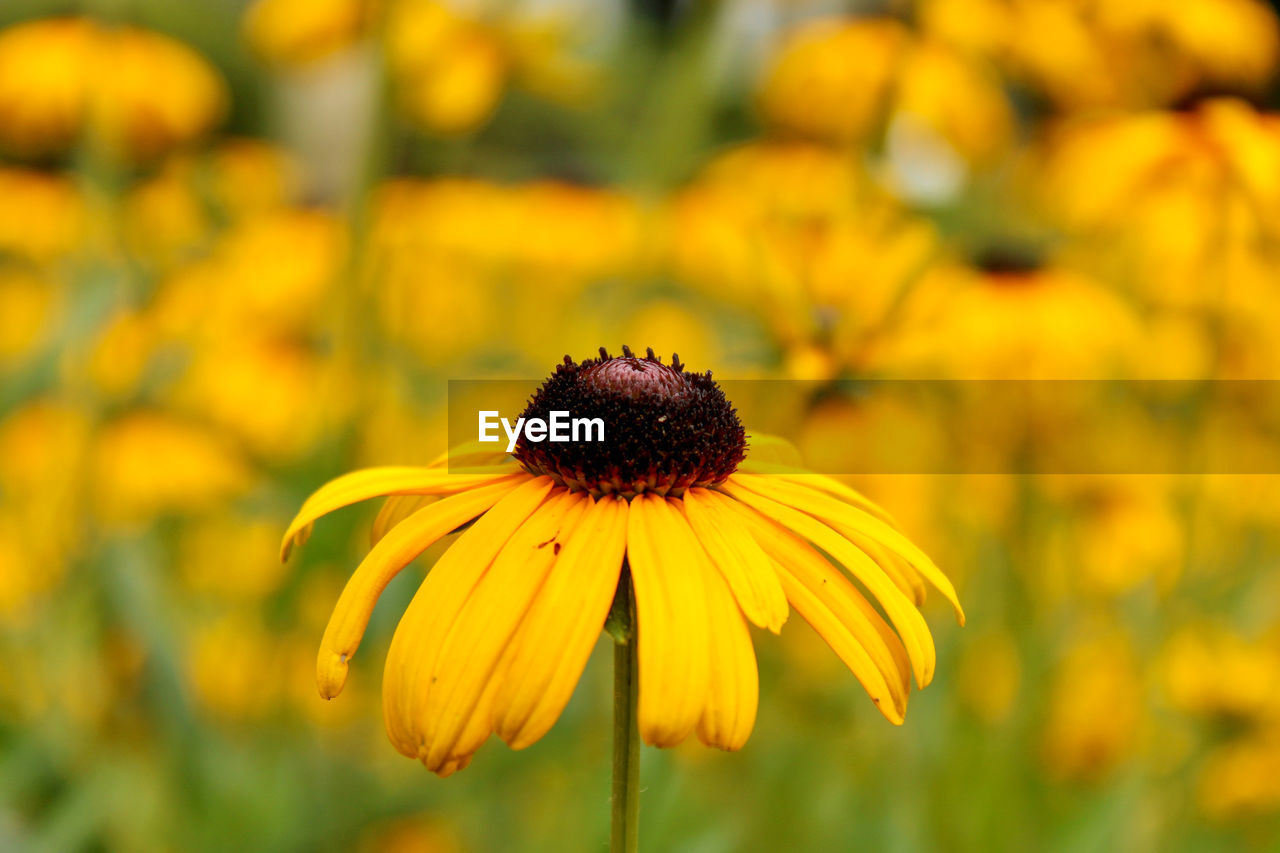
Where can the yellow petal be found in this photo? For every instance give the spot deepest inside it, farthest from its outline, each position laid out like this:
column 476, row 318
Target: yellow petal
column 668, row 570
column 733, row 683
column 910, row 624
column 820, row 482
column 846, row 518
column 748, row 570
column 466, row 662
column 435, row 607
column 839, row 613
column 771, row 449
column 473, row 453
column 405, row 542
column 546, row 657
column 476, row 731
column 395, row 509
column 376, row 482
column 899, row 570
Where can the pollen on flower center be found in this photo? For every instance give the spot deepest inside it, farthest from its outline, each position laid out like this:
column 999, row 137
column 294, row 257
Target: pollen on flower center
column 665, row 429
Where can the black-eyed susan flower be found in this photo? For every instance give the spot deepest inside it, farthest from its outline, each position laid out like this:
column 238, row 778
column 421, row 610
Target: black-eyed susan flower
column 667, row 508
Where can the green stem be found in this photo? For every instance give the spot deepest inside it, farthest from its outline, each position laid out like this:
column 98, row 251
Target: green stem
column 626, row 734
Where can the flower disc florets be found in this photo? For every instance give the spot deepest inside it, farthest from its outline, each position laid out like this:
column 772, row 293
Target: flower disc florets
column 665, row 429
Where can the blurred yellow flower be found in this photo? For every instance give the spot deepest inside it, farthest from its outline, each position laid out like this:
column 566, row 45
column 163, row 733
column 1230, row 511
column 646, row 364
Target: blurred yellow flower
column 1225, row 42
column 1212, row 670
column 459, row 247
column 1119, row 533
column 460, row 88
column 152, row 93
column 31, row 307
column 1242, row 778
column 674, row 327
column 146, row 464
column 452, row 63
column 450, row 71
column 814, row 89
column 138, row 92
column 164, row 219
column 174, row 215
column 277, row 397
column 43, row 217
column 936, row 105
column 271, row 273
column 1010, row 321
column 1131, row 538
column 1092, row 53
column 412, row 295
column 398, row 422
column 121, row 355
column 948, row 114
column 1096, row 708
column 251, row 176
column 798, row 234
column 235, row 665
column 222, row 556
column 45, row 73
column 558, row 232
column 298, row 32
column 501, row 628
column 25, row 574
column 43, row 447
column 1182, row 206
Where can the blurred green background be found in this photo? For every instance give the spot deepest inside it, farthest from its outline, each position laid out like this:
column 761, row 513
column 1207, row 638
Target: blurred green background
column 244, row 247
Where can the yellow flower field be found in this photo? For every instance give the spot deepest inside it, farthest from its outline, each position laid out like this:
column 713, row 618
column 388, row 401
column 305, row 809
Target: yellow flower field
column 992, row 285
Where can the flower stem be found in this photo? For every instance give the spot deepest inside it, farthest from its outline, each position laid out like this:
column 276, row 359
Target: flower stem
column 626, row 735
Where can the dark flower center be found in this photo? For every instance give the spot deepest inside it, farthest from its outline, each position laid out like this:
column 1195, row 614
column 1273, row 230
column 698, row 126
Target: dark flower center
column 1012, row 260
column 665, row 429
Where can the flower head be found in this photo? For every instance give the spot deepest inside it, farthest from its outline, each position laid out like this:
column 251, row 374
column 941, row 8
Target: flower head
column 670, row 429
column 500, row 630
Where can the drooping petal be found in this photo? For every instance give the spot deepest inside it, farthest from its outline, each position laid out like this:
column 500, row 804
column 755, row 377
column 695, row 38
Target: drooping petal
column 668, row 571
column 733, row 682
column 839, row 613
column 748, row 570
column 466, row 662
column 910, row 624
column 377, row 482
column 405, row 542
column 436, row 605
column 545, row 659
column 844, row 517
column 899, row 570
column 395, row 509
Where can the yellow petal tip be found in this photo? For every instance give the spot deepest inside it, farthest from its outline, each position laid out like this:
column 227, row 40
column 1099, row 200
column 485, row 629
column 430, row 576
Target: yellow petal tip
column 891, row 711
column 331, row 674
